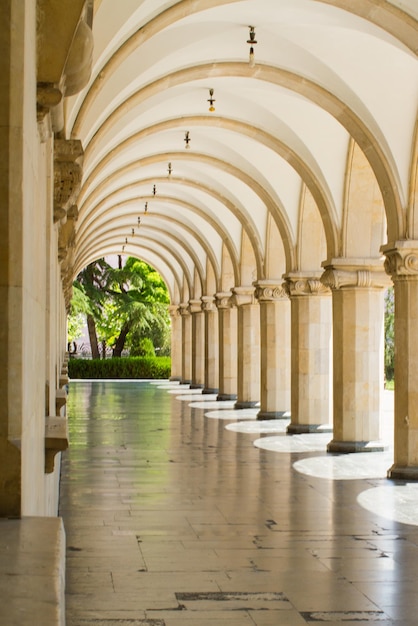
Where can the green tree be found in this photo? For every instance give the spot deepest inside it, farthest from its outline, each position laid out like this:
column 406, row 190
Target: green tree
column 125, row 305
column 389, row 334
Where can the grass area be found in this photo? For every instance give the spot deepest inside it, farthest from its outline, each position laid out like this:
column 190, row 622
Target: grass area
column 390, row 384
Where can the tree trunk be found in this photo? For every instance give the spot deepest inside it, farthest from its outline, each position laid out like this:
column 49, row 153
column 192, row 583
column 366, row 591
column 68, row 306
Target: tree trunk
column 104, row 346
column 120, row 341
column 91, row 326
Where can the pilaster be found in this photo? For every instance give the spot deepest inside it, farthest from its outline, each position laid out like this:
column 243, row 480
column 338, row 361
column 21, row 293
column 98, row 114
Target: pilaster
column 211, row 345
column 228, row 352
column 248, row 374
column 176, row 342
column 358, row 313
column 186, row 346
column 402, row 265
column 310, row 352
column 198, row 344
column 274, row 350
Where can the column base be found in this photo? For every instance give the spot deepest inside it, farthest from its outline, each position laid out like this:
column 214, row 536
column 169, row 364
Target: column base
column 300, row 429
column 249, row 404
column 226, row 397
column 175, row 379
column 185, row 382
column 196, row 386
column 209, row 390
column 273, row 415
column 347, row 447
column 403, row 472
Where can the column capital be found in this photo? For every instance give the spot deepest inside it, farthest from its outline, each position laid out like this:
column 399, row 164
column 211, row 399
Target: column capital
column 348, row 273
column 195, row 306
column 243, row 295
column 302, row 284
column 223, row 300
column 208, row 304
column 401, row 261
column 184, row 309
column 174, row 310
column 270, row 291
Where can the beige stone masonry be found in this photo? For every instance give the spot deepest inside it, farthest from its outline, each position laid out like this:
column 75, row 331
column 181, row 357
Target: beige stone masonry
column 358, row 310
column 186, row 352
column 248, row 374
column 211, row 345
column 274, row 349
column 228, row 353
column 198, row 344
column 311, row 331
column 402, row 265
column 176, row 341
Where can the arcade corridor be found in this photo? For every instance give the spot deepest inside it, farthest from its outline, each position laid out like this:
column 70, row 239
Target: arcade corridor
column 173, row 517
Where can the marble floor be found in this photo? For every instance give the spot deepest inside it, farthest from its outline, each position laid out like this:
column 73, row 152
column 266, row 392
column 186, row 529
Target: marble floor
column 180, row 511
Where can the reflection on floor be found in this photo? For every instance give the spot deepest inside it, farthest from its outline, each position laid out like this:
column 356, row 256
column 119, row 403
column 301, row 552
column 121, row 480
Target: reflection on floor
column 173, row 517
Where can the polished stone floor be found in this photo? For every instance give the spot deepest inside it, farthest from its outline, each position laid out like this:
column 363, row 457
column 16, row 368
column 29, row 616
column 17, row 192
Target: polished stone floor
column 180, row 511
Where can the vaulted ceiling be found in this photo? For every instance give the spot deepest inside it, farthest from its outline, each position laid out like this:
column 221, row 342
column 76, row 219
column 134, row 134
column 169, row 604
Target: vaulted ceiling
column 307, row 155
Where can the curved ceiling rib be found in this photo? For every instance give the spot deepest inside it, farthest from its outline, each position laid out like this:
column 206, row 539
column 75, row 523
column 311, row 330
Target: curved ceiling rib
column 384, row 15
column 106, row 226
column 326, row 74
column 292, row 150
column 360, row 126
column 104, row 241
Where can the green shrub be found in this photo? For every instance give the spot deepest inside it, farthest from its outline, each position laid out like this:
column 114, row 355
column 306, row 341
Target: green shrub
column 131, row 367
column 145, row 347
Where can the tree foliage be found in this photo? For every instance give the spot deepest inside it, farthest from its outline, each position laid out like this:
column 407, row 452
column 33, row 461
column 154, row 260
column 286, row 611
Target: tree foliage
column 389, row 334
column 123, row 305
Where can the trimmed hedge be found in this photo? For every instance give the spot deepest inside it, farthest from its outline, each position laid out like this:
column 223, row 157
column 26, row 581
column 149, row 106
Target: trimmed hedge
column 130, row 367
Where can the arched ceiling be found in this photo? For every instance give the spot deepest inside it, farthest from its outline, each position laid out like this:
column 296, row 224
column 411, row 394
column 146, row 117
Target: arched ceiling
column 326, row 72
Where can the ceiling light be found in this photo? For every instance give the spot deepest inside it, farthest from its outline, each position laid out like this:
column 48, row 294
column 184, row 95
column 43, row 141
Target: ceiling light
column 169, row 170
column 187, row 140
column 211, row 101
column 146, row 207
column 252, row 41
column 154, row 190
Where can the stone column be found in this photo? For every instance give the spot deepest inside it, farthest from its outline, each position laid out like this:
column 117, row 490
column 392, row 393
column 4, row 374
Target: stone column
column 198, row 344
column 310, row 353
column 176, row 343
column 228, row 351
column 358, row 315
column 274, row 350
column 402, row 264
column 211, row 345
column 248, row 381
column 186, row 345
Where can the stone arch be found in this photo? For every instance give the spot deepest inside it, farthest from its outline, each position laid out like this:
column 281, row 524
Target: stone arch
column 311, row 241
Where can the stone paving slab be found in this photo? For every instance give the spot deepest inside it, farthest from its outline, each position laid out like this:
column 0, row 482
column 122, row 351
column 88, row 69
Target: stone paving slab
column 174, row 520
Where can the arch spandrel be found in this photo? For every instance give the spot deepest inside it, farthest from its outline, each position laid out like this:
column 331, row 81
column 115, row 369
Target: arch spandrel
column 364, row 224
column 311, row 244
column 249, row 263
column 275, row 261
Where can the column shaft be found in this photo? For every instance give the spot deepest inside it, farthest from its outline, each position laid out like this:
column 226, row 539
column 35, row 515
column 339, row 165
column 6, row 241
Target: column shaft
column 176, row 343
column 228, row 349
column 211, row 345
column 198, row 344
column 274, row 351
column 186, row 352
column 248, row 374
column 358, row 314
column 310, row 354
column 402, row 264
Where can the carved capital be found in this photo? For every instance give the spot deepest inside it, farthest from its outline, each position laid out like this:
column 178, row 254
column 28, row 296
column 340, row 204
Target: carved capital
column 68, row 171
column 174, row 311
column 184, row 309
column 266, row 291
column 401, row 261
column 208, row 304
column 195, row 306
column 242, row 296
column 223, row 300
column 349, row 273
column 298, row 284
